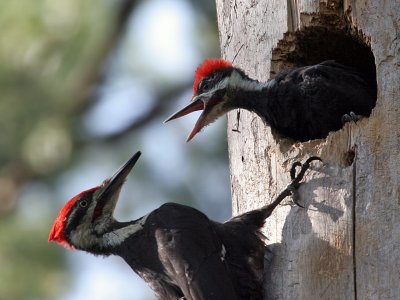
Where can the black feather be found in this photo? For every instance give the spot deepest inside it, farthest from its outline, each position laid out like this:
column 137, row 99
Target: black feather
column 309, row 102
column 180, row 252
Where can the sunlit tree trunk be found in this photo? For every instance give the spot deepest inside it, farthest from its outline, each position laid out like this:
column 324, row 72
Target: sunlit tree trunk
column 346, row 243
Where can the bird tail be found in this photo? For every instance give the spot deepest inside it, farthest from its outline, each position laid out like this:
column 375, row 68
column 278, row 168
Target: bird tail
column 257, row 217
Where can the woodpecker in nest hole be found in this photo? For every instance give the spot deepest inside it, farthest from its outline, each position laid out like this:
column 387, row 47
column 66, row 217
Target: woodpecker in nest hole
column 176, row 249
column 302, row 104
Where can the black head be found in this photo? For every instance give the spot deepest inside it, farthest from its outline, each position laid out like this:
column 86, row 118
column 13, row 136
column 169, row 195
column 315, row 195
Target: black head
column 87, row 218
column 215, row 80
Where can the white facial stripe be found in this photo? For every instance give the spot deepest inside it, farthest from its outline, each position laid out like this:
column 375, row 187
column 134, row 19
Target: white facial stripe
column 221, row 85
column 84, row 237
column 237, row 81
column 116, row 237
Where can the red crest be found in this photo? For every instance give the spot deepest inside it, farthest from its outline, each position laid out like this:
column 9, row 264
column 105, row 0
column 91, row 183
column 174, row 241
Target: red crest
column 57, row 231
column 208, row 67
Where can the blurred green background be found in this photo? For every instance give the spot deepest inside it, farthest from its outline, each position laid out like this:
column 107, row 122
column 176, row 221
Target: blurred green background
column 83, row 85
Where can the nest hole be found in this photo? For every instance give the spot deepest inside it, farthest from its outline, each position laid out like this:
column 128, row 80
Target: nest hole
column 315, row 44
column 342, row 42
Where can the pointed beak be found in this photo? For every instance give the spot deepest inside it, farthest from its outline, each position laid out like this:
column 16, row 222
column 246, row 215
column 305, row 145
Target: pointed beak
column 197, row 127
column 206, row 102
column 116, row 181
column 194, row 105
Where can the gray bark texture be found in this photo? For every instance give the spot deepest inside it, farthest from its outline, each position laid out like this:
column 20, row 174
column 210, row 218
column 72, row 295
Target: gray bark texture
column 346, row 243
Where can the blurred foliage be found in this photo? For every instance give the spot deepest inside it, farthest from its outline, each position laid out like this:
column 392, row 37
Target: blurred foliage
column 46, row 50
column 29, row 270
column 52, row 58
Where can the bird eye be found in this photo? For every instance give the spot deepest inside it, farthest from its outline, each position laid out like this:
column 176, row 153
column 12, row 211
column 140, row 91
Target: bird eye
column 204, row 85
column 83, row 203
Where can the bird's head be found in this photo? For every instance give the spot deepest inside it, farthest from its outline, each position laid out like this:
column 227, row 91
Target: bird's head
column 86, row 221
column 215, row 80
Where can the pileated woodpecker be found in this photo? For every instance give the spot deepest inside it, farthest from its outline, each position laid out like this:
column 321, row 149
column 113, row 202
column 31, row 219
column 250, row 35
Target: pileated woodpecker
column 176, row 249
column 303, row 104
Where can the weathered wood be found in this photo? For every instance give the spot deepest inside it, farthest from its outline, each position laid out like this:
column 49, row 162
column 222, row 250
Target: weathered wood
column 346, row 244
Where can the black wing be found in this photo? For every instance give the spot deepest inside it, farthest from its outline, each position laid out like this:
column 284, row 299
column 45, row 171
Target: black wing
column 309, row 102
column 192, row 254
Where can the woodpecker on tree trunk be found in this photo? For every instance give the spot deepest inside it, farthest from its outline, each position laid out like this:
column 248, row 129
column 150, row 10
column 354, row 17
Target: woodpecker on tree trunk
column 176, row 249
column 303, row 104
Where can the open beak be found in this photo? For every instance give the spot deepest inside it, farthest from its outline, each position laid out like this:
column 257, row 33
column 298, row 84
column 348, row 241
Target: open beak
column 194, row 105
column 105, row 202
column 116, row 181
column 198, row 126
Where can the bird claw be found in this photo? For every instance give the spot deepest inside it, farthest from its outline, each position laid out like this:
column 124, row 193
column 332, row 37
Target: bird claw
column 291, row 189
column 351, row 117
column 295, row 195
column 293, row 170
column 296, row 178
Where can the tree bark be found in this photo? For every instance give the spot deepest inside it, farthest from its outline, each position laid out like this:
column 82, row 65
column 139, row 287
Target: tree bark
column 346, row 243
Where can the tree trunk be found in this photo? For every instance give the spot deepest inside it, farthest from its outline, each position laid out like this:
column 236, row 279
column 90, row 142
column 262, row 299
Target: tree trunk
column 346, row 243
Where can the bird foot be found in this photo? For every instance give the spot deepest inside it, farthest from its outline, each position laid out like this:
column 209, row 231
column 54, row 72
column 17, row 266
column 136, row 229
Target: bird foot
column 295, row 196
column 294, row 185
column 351, row 117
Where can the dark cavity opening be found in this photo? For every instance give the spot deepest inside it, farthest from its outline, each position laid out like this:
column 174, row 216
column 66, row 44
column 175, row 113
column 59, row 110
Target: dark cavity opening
column 315, row 44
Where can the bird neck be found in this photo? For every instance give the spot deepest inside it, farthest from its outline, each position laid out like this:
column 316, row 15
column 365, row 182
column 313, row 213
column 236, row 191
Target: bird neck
column 104, row 239
column 252, row 95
